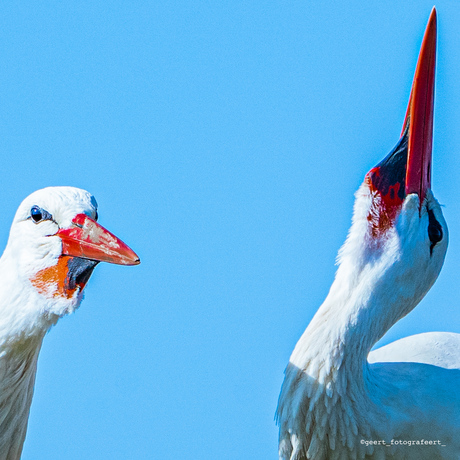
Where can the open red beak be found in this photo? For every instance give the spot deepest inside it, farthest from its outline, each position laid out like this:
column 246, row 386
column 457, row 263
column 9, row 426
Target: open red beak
column 89, row 240
column 419, row 116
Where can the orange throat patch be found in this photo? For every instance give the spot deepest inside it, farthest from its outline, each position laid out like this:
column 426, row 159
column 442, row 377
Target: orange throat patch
column 55, row 281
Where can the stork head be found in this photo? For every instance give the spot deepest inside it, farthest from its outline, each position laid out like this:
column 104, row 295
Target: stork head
column 55, row 242
column 397, row 220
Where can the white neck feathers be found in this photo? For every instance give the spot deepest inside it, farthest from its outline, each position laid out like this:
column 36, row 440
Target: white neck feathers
column 18, row 365
column 329, row 399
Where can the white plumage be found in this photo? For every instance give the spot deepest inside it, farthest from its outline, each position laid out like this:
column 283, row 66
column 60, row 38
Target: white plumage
column 401, row 402
column 333, row 399
column 43, row 271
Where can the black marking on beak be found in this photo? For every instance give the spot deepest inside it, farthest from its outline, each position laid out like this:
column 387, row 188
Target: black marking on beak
column 79, row 271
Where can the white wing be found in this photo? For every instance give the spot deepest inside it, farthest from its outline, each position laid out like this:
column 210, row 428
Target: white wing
column 440, row 349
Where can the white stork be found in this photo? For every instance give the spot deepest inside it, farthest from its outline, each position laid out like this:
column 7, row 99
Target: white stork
column 53, row 247
column 400, row 402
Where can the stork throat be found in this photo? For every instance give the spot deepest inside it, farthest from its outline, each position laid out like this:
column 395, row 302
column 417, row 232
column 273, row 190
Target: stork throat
column 69, row 275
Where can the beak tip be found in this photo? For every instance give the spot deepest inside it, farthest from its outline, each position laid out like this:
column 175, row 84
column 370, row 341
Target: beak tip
column 129, row 258
column 132, row 257
column 420, row 114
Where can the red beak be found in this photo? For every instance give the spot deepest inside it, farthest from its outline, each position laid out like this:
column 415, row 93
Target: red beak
column 419, row 115
column 407, row 168
column 89, row 240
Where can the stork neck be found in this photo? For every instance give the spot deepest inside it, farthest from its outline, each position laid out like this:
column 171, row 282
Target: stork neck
column 357, row 312
column 18, row 365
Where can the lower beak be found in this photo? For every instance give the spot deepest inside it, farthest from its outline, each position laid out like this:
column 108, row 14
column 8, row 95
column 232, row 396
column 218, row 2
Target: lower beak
column 419, row 116
column 86, row 239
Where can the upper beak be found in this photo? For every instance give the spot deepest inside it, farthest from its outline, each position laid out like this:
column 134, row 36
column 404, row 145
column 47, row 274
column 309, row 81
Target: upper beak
column 89, row 240
column 419, row 116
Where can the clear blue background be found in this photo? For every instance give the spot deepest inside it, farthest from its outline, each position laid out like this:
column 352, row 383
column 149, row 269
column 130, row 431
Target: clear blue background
column 223, row 142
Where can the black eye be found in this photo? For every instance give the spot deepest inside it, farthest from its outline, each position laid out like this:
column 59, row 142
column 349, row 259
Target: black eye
column 434, row 230
column 36, row 214
column 96, row 216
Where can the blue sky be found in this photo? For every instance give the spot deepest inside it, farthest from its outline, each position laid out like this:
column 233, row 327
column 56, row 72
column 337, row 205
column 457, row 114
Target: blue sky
column 223, row 142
